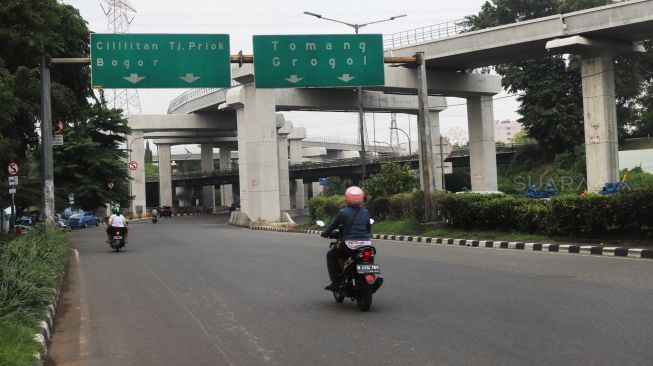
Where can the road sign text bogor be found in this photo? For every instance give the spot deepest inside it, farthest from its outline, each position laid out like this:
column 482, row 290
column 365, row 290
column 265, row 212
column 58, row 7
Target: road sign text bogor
column 292, row 61
column 160, row 60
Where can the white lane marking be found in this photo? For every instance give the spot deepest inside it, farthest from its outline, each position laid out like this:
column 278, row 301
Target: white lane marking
column 83, row 310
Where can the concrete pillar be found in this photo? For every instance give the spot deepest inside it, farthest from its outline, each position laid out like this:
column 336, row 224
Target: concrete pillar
column 257, row 152
column 208, row 192
column 317, row 189
column 295, row 154
column 438, row 159
column 226, row 190
column 165, row 175
column 482, row 149
column 307, row 189
column 284, row 128
column 137, row 154
column 600, row 117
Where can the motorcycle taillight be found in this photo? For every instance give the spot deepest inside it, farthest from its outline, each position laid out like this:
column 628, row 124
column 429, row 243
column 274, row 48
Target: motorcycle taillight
column 117, row 232
column 367, row 256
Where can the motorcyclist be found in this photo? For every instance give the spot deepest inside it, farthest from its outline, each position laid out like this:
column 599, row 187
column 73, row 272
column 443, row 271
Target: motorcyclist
column 355, row 222
column 155, row 213
column 117, row 220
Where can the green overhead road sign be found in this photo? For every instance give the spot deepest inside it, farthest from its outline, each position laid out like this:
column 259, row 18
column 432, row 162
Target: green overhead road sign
column 160, row 60
column 292, row 61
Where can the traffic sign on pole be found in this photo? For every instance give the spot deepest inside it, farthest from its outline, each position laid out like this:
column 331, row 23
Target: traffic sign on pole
column 160, row 60
column 291, row 61
column 12, row 168
column 110, row 185
column 13, row 181
column 12, row 190
column 133, row 165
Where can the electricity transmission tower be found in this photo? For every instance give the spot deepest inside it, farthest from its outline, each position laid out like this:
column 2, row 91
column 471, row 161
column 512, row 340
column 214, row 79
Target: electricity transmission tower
column 119, row 15
column 394, row 132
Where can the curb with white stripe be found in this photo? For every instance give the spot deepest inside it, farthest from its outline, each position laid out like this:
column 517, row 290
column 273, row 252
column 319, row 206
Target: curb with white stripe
column 44, row 330
column 592, row 250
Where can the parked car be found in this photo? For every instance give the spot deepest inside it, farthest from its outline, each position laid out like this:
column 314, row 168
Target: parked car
column 165, row 211
column 83, row 220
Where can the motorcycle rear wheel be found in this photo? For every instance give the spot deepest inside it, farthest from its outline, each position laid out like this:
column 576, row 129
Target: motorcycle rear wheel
column 364, row 299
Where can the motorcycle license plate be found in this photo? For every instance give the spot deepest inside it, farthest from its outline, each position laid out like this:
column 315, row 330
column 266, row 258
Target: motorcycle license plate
column 117, row 237
column 368, row 269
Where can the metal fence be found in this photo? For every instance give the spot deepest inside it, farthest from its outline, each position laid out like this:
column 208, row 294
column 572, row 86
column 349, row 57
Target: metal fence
column 425, row 34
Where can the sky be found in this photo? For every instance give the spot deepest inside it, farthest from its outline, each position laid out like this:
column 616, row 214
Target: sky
column 243, row 19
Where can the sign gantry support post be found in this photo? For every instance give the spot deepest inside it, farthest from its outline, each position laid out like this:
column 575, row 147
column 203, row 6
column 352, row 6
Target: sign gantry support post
column 47, row 174
column 47, row 165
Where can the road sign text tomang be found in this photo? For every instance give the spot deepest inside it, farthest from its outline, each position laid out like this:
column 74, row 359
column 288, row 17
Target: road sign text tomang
column 292, row 61
column 160, row 60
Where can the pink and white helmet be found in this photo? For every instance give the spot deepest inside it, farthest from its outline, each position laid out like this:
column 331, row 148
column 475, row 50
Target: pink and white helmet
column 354, row 196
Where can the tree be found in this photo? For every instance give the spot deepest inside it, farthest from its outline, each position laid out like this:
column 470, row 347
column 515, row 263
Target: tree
column 334, row 186
column 549, row 88
column 29, row 29
column 91, row 158
column 457, row 136
column 148, row 153
column 393, row 178
column 644, row 125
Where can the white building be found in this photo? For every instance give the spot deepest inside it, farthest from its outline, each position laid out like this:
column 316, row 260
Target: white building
column 505, row 131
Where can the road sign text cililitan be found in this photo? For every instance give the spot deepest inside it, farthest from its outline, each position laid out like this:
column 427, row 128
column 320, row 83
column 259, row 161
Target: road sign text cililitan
column 160, row 60
column 291, row 61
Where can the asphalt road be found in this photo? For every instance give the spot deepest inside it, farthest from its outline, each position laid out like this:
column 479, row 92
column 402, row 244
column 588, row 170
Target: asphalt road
column 195, row 291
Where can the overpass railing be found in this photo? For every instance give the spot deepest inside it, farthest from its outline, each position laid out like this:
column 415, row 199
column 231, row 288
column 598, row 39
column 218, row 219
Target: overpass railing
column 349, row 141
column 189, row 95
column 335, row 163
column 424, row 34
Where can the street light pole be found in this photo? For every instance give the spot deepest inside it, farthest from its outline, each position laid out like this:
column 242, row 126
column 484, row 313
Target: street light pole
column 410, row 151
column 361, row 118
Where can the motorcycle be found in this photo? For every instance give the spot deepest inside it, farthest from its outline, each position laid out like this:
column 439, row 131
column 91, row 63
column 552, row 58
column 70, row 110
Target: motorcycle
column 60, row 224
column 117, row 238
column 155, row 219
column 360, row 278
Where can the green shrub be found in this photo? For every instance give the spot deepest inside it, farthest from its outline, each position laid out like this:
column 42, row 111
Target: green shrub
column 398, row 206
column 31, row 268
column 628, row 213
column 324, row 208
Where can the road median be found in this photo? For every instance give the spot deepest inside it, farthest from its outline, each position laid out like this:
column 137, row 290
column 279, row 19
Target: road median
column 589, row 250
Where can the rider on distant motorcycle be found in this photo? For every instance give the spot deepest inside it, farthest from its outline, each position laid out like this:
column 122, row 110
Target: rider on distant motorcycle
column 117, row 220
column 355, row 221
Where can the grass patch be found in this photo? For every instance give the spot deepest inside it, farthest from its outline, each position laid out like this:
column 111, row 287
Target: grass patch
column 412, row 227
column 398, row 227
column 17, row 345
column 32, row 266
column 489, row 235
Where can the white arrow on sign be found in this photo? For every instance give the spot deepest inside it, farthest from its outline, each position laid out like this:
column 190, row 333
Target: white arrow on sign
column 294, row 79
column 346, row 78
column 189, row 78
column 133, row 78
